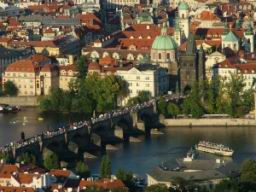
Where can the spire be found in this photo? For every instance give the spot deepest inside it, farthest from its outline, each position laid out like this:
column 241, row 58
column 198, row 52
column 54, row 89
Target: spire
column 201, row 49
column 176, row 22
column 226, row 30
column 191, row 44
column 164, row 30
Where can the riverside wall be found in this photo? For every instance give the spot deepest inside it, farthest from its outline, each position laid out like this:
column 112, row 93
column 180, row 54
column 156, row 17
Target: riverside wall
column 29, row 101
column 209, row 122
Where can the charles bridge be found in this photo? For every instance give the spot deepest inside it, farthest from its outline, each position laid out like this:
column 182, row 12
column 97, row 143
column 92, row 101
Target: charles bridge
column 91, row 137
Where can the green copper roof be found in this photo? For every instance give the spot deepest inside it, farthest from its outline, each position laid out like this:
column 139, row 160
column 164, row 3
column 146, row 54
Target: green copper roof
column 164, row 42
column 249, row 30
column 183, row 6
column 231, row 37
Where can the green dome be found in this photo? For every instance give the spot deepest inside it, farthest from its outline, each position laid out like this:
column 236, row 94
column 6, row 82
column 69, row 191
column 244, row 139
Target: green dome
column 183, row 6
column 164, row 42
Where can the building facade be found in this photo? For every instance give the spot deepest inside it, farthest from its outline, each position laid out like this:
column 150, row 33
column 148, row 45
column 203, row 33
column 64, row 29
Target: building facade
column 145, row 77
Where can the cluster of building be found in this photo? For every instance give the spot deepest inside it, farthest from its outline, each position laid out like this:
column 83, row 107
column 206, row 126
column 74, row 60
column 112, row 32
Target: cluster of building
column 30, row 178
column 156, row 46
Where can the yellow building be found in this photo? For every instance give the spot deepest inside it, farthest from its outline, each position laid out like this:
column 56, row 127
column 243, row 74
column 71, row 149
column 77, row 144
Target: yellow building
column 33, row 76
column 67, row 74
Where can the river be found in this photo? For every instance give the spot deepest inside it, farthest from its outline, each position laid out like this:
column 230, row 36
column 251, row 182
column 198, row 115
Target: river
column 143, row 156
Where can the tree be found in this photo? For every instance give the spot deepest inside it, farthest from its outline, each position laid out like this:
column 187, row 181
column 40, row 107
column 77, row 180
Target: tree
column 227, row 185
column 234, row 87
column 26, row 158
column 157, row 187
column 161, row 106
column 105, row 167
column 248, row 171
column 5, row 157
column 51, row 160
column 172, row 110
column 192, row 103
column 142, row 96
column 127, row 178
column 82, row 169
column 10, row 88
column 82, row 66
column 213, row 95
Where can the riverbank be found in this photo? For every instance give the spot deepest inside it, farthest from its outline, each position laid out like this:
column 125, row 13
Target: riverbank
column 25, row 101
column 209, row 122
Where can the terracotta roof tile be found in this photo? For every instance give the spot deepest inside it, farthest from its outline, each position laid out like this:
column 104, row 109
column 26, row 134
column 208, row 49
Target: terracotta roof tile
column 104, row 183
column 60, row 173
column 6, row 170
column 16, row 189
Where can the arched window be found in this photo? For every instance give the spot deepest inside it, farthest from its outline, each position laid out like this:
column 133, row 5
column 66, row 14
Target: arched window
column 168, row 56
column 159, row 56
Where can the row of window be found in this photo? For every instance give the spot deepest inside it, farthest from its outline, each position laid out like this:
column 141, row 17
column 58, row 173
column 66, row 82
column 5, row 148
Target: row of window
column 137, row 84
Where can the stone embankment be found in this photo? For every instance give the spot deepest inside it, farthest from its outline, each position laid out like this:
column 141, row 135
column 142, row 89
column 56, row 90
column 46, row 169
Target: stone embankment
column 29, row 101
column 209, row 122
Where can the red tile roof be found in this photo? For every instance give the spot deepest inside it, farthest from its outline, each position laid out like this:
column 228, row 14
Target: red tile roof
column 107, row 61
column 16, row 189
column 6, row 170
column 104, row 183
column 31, row 64
column 60, row 173
column 208, row 15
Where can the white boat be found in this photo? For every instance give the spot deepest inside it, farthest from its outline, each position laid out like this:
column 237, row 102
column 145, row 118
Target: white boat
column 214, row 148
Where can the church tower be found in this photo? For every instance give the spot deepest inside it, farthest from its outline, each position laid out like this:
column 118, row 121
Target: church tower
column 184, row 18
column 249, row 36
column 177, row 31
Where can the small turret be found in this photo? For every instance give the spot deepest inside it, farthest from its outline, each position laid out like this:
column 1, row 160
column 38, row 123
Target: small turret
column 226, row 29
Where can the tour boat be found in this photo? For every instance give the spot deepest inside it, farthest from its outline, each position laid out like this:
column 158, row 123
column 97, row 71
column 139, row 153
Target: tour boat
column 214, row 148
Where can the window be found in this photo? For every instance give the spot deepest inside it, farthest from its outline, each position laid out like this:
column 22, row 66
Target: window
column 147, row 78
column 168, row 56
column 137, row 84
column 138, row 77
column 159, row 55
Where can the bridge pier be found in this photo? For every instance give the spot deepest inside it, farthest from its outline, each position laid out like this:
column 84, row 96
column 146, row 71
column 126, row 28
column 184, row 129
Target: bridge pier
column 96, row 139
column 118, row 132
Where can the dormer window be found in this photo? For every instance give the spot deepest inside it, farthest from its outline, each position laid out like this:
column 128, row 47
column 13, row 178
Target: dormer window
column 148, row 37
column 131, row 37
column 140, row 37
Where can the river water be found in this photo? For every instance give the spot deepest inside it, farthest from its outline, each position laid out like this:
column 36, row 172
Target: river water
column 145, row 155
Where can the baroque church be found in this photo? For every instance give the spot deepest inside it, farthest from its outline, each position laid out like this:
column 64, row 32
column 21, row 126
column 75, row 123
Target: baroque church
column 184, row 66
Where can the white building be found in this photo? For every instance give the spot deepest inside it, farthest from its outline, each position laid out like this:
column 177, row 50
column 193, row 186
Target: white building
column 113, row 4
column 212, row 59
column 226, row 69
column 145, row 78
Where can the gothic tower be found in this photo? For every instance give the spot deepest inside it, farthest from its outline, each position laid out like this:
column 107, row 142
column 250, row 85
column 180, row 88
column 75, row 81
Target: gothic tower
column 201, row 64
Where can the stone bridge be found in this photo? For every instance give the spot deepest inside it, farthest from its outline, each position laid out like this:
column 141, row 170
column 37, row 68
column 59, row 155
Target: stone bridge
column 89, row 136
